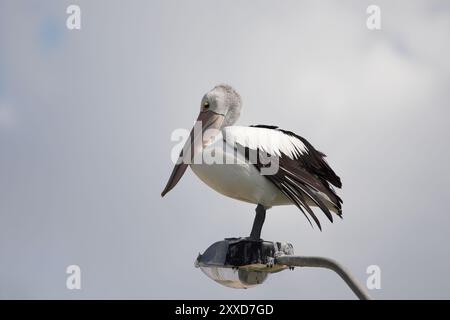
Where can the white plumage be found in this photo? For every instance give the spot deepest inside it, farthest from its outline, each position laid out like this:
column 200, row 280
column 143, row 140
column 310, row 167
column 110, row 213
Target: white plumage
column 270, row 141
column 233, row 175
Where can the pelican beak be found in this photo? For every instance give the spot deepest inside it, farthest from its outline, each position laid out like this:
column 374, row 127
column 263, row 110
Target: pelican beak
column 206, row 121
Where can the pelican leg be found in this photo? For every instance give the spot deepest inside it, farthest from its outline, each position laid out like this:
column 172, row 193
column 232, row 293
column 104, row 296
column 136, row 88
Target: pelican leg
column 258, row 222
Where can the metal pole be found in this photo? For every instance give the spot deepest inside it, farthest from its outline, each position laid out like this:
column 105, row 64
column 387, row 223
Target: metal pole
column 321, row 262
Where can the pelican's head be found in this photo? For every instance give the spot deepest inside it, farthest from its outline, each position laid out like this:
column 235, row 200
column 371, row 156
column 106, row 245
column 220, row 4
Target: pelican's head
column 223, row 102
column 219, row 108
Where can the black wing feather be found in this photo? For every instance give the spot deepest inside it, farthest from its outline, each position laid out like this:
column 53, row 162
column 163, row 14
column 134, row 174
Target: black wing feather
column 302, row 177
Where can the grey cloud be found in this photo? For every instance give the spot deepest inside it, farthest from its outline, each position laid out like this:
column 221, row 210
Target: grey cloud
column 82, row 172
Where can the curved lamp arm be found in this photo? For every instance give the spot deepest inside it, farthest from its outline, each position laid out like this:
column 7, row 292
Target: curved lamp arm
column 321, row 262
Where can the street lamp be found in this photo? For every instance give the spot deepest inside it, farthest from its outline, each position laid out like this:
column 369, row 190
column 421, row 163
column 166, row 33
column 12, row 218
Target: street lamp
column 243, row 263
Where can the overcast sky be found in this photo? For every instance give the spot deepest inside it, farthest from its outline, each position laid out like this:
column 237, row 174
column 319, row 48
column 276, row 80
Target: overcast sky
column 86, row 118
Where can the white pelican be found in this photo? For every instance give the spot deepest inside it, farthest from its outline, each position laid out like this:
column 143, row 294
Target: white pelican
column 250, row 154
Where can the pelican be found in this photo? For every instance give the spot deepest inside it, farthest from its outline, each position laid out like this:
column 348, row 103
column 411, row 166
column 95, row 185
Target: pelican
column 261, row 164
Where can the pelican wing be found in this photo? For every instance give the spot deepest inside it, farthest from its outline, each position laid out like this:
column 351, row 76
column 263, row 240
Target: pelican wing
column 303, row 175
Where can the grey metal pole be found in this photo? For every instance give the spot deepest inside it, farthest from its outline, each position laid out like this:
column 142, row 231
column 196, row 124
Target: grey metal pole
column 321, row 262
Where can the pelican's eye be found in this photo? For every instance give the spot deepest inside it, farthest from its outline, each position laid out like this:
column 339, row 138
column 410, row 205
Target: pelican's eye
column 206, row 105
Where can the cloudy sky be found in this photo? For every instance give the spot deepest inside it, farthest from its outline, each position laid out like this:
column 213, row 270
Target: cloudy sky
column 86, row 117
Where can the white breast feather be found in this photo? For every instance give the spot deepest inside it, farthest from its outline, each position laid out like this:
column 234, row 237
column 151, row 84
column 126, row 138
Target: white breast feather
column 271, row 141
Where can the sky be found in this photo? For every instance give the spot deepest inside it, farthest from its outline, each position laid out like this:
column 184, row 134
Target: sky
column 86, row 118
